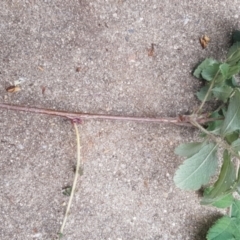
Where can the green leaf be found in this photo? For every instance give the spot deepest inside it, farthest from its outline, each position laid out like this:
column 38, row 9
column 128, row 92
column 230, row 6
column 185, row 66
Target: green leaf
column 219, row 201
column 224, row 69
column 222, row 93
column 189, row 149
column 207, row 62
column 223, row 187
column 224, row 229
column 236, row 36
column 236, row 224
column 232, row 120
column 67, row 191
column 236, row 145
column 233, row 49
column 232, row 137
column 210, row 72
column 197, row 170
column 236, row 209
column 233, row 55
column 233, row 70
column 231, row 82
column 215, row 126
column 224, row 202
column 202, row 93
column 224, row 110
column 234, row 82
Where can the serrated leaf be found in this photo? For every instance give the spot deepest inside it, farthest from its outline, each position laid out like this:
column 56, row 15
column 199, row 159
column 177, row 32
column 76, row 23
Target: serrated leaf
column 202, row 93
column 224, row 185
column 189, row 149
column 204, row 64
column 197, row 170
column 211, row 72
column 222, row 93
column 232, row 119
column 224, row 229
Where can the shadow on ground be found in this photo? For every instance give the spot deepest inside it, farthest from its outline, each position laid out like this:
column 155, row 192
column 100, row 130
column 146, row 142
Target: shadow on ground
column 205, row 225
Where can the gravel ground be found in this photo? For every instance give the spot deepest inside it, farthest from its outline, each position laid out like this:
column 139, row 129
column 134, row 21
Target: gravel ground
column 96, row 57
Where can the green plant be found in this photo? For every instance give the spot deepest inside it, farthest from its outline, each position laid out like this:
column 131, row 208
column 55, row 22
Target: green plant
column 220, row 131
column 223, row 133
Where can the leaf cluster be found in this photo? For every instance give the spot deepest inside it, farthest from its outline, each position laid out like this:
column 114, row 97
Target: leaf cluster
column 227, row 227
column 202, row 161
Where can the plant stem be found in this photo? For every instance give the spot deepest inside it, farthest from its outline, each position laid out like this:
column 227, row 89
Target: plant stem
column 219, row 141
column 74, row 181
column 182, row 121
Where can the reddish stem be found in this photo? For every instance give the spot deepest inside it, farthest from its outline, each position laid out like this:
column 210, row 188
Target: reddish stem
column 183, row 120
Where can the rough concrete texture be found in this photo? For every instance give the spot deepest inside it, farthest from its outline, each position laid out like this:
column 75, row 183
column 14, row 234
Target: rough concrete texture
column 92, row 56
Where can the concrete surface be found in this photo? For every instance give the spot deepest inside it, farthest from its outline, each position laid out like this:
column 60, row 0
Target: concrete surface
column 127, row 191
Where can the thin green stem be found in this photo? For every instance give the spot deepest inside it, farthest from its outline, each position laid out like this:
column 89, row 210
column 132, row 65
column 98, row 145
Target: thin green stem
column 74, row 181
column 230, row 211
